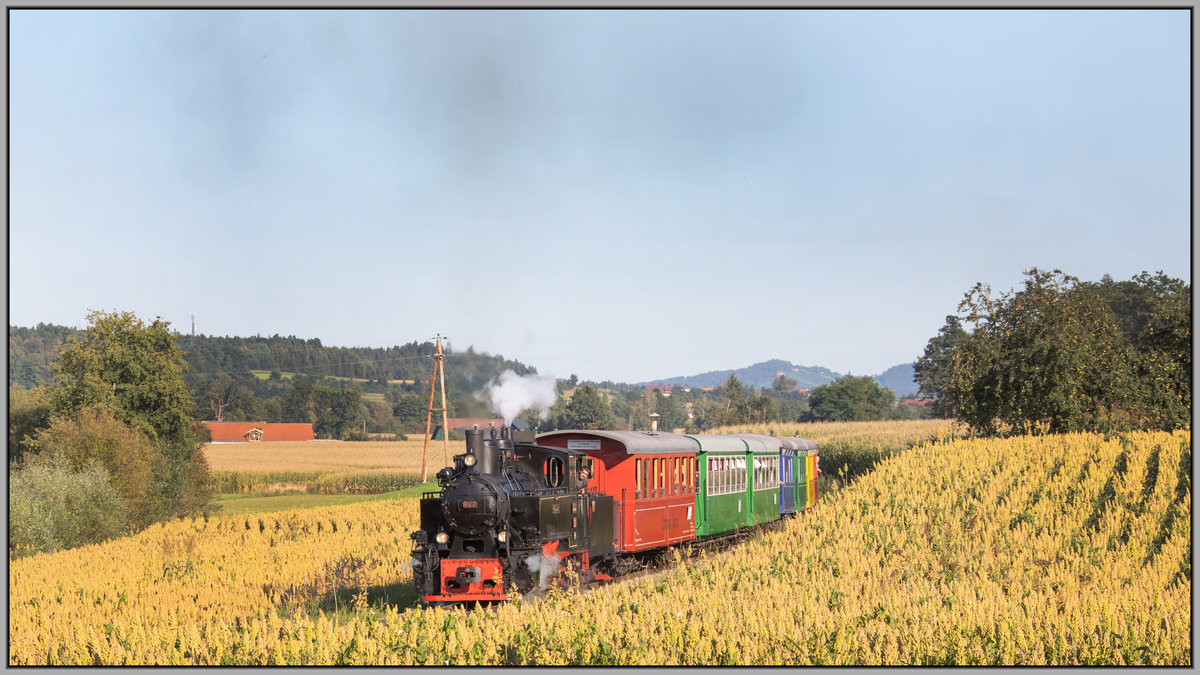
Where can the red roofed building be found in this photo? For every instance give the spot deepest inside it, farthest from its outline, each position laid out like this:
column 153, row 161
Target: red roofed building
column 232, row 432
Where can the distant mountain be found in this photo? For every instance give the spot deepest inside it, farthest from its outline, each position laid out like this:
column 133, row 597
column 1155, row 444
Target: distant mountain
column 759, row 375
column 899, row 379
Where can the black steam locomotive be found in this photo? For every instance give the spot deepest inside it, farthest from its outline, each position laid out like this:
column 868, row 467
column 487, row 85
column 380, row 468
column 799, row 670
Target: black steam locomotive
column 510, row 513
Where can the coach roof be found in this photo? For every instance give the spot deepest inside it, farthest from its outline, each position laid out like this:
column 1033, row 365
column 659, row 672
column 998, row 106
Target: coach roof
column 785, row 442
column 716, row 443
column 636, row 442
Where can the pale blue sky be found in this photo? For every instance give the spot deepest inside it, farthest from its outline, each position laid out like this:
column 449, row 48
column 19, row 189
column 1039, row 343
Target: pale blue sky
column 623, row 195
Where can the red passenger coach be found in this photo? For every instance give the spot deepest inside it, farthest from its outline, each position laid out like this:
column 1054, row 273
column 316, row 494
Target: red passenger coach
column 651, row 476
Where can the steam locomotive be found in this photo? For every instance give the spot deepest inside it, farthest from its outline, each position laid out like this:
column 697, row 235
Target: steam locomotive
column 516, row 507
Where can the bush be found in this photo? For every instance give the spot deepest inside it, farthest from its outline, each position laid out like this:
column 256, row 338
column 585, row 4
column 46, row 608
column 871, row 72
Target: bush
column 51, row 507
column 124, row 452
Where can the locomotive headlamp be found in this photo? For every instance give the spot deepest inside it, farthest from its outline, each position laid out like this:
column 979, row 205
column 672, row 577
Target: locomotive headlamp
column 442, row 538
column 502, row 536
column 469, row 460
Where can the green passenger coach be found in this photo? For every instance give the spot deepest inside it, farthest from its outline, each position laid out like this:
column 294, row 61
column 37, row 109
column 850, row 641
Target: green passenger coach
column 763, row 463
column 739, row 484
column 723, row 503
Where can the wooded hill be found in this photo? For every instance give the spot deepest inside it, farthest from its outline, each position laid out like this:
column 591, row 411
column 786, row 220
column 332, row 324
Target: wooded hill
column 252, row 377
column 32, row 350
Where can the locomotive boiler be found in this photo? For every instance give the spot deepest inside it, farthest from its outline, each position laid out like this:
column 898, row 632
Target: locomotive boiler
column 510, row 515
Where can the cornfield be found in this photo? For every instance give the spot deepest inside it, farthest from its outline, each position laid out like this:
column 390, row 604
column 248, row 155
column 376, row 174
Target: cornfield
column 1054, row 550
column 313, row 482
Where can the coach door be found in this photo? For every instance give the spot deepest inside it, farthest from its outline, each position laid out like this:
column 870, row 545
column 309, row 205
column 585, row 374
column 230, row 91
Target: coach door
column 787, row 481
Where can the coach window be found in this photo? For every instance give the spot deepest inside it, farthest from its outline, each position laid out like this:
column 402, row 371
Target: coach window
column 641, row 478
column 647, row 477
column 668, row 463
column 637, row 478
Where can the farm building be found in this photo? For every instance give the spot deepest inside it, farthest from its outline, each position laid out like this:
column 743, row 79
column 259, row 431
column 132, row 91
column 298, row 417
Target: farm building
column 227, row 432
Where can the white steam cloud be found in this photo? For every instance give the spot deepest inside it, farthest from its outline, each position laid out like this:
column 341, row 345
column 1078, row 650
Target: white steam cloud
column 546, row 566
column 513, row 394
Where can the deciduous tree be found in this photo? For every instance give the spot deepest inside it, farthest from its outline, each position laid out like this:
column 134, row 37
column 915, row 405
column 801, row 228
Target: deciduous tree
column 134, row 371
column 1063, row 355
column 586, row 410
column 933, row 370
column 851, row 399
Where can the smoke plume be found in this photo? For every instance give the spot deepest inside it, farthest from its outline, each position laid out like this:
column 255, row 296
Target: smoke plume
column 513, row 394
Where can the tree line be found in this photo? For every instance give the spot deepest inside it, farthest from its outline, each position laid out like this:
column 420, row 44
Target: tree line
column 848, row 398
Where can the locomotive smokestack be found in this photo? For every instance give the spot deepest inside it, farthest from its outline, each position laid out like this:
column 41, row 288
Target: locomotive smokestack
column 486, row 452
column 654, row 423
column 475, row 443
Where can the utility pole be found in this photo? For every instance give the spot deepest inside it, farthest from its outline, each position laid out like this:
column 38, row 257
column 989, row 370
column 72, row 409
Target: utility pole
column 439, row 375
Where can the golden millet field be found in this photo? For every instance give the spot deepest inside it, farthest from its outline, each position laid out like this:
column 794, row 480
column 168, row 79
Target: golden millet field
column 1056, row 550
